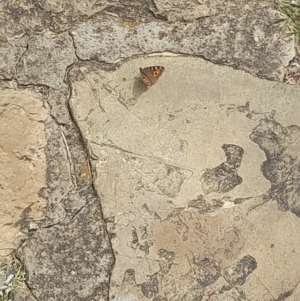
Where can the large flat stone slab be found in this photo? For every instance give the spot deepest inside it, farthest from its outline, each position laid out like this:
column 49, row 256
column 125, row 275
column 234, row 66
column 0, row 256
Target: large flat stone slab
column 191, row 173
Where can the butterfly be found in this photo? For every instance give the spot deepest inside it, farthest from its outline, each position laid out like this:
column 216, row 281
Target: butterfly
column 150, row 75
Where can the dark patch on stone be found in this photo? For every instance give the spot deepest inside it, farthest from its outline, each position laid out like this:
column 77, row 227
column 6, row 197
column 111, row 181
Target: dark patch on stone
column 165, row 267
column 224, row 177
column 204, row 206
column 129, row 278
column 239, row 271
column 168, row 255
column 144, row 243
column 145, row 247
column 207, row 271
column 284, row 295
column 282, row 167
column 135, row 238
column 150, row 288
column 180, row 227
column 24, row 220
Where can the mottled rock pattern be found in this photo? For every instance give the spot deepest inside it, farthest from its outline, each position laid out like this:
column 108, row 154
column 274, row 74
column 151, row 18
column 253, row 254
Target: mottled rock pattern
column 221, row 39
column 144, row 151
column 46, row 59
column 224, row 177
column 72, row 233
column 282, row 167
column 66, row 255
column 237, row 274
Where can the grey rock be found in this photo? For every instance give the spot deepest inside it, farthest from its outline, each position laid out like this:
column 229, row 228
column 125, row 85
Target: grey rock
column 242, row 42
column 46, row 60
column 61, row 259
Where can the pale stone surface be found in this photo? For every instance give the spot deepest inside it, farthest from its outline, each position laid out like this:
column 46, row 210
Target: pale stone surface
column 22, row 163
column 188, row 219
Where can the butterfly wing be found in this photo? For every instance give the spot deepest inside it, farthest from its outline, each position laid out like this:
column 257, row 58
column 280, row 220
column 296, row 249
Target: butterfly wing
column 145, row 77
column 150, row 75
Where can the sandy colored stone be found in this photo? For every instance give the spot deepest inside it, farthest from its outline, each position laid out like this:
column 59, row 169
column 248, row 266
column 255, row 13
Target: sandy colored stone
column 173, row 236
column 23, row 163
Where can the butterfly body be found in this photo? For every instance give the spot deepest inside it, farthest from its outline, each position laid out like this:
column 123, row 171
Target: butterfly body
column 150, row 75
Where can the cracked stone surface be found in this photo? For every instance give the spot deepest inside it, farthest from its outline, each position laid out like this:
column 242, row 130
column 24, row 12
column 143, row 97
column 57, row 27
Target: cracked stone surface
column 225, row 41
column 46, row 59
column 186, row 190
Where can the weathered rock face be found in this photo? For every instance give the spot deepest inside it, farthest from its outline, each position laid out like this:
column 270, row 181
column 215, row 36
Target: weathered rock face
column 186, row 190
column 238, row 42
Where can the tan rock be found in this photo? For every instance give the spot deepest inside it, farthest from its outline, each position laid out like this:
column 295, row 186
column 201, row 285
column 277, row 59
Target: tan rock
column 22, row 163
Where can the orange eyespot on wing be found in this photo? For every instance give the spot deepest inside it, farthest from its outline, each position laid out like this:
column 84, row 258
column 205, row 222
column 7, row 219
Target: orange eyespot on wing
column 150, row 75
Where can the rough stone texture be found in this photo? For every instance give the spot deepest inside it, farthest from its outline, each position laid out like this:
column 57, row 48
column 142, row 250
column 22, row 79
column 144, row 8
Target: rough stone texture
column 22, row 164
column 22, row 294
column 63, row 250
column 46, row 59
column 182, row 11
column 11, row 50
column 243, row 41
column 151, row 150
column 72, row 248
column 183, row 225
